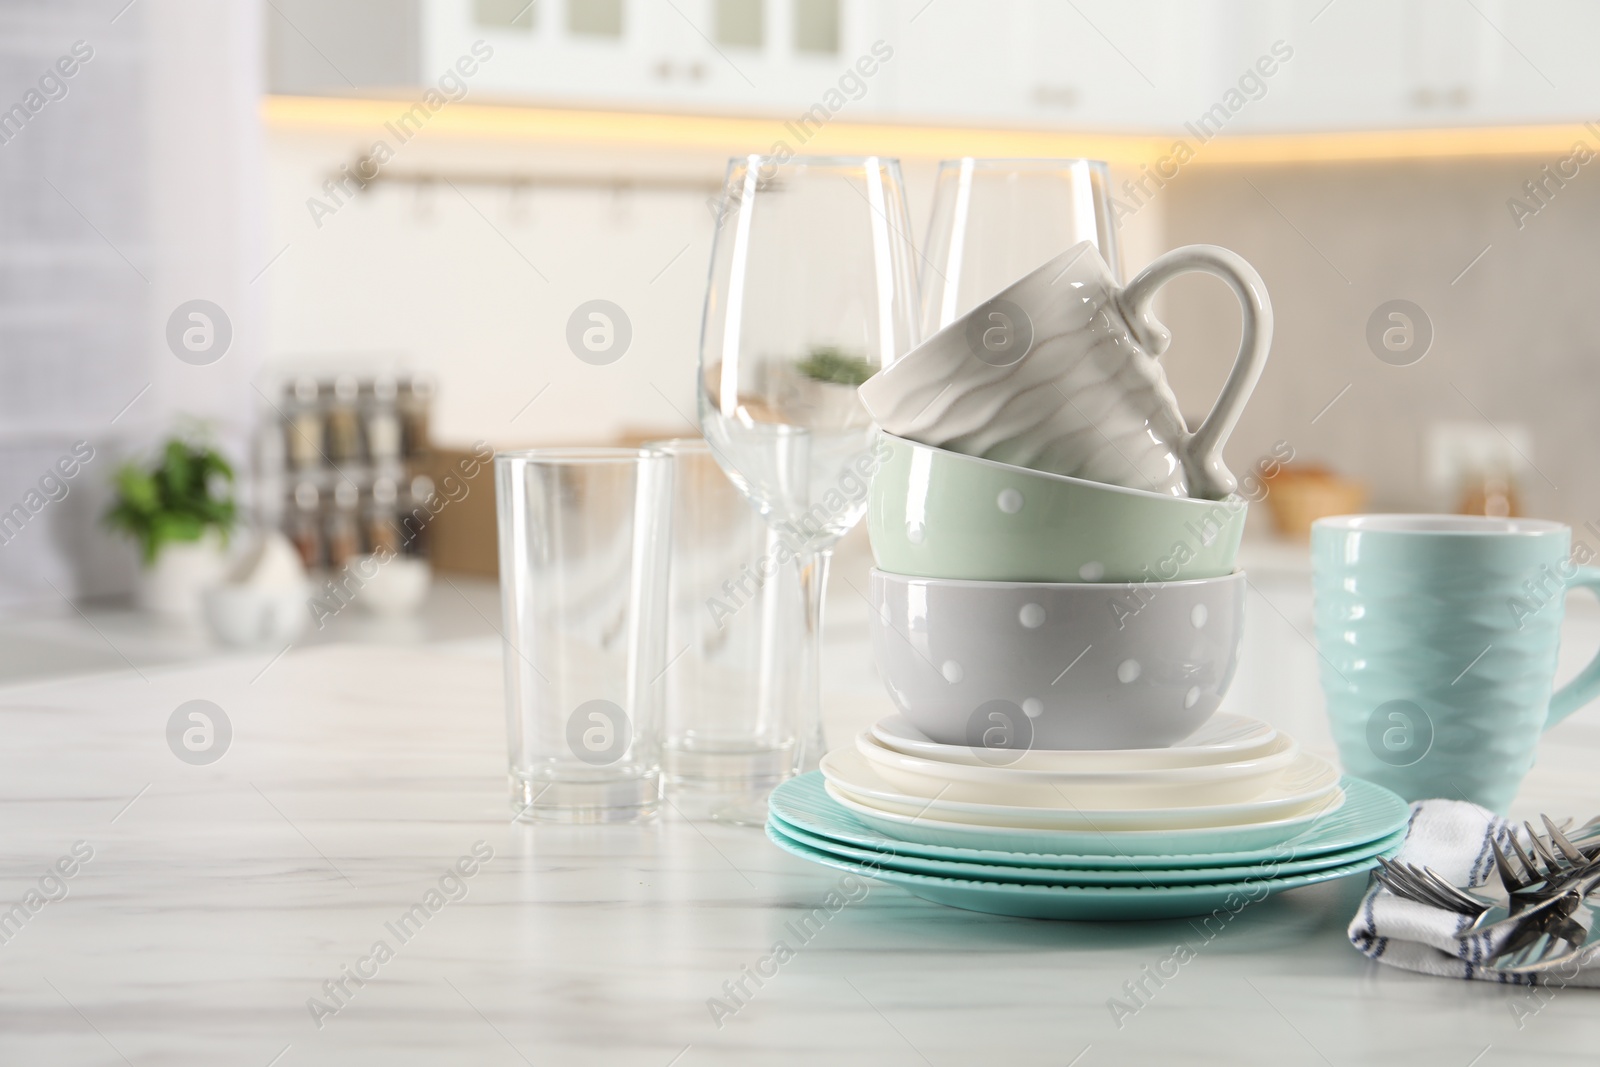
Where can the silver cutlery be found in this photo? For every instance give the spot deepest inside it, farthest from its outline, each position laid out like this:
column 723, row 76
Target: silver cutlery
column 1539, row 905
column 1547, row 936
column 1558, row 861
column 1556, row 939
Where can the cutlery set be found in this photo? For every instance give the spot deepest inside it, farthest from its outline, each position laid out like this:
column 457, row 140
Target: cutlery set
column 1538, row 919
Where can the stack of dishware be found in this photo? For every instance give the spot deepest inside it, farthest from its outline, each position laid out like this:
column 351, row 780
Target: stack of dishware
column 1228, row 816
column 1057, row 616
column 1056, row 549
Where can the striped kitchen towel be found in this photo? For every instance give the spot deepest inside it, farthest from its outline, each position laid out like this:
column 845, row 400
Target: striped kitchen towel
column 1452, row 837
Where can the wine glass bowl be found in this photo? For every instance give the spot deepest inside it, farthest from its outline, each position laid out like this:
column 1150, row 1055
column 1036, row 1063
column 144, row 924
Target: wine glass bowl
column 812, row 291
column 994, row 220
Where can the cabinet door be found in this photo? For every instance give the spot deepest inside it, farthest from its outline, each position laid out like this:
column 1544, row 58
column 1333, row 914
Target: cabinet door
column 619, row 53
column 1133, row 67
column 1378, row 64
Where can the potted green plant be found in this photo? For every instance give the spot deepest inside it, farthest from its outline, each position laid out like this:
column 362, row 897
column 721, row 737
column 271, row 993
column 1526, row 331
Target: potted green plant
column 179, row 510
column 819, row 390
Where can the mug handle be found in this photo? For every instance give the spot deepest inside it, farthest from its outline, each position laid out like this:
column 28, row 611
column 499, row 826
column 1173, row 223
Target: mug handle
column 1201, row 451
column 1586, row 686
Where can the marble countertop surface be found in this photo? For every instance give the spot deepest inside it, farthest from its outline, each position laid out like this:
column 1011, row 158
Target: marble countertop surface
column 215, row 914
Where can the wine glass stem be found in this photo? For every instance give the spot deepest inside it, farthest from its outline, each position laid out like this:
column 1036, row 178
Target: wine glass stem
column 813, row 587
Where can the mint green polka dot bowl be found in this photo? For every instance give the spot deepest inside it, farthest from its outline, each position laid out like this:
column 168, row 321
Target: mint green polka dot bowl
column 934, row 513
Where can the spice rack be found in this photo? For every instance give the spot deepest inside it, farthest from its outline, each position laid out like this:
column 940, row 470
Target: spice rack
column 342, row 462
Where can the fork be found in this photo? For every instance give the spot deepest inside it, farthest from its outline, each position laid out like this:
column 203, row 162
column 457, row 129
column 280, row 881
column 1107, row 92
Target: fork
column 1522, row 889
column 1405, row 881
column 1557, row 940
column 1530, row 888
column 1488, row 914
column 1426, row 887
column 1539, row 906
column 1565, row 858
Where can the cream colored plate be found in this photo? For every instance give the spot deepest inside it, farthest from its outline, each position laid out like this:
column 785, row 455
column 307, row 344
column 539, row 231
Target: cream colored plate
column 1217, row 783
column 1306, row 782
column 1224, row 737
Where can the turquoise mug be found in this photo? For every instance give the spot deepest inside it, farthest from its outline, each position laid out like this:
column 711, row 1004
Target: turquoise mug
column 1438, row 637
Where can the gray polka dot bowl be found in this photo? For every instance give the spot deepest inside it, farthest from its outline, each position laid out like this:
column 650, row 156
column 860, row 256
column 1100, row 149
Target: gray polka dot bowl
column 1008, row 667
column 940, row 514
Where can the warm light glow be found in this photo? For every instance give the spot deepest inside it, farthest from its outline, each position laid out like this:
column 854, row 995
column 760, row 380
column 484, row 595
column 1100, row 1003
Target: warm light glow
column 740, row 136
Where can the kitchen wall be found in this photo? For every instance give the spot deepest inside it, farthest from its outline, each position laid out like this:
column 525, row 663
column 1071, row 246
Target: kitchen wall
column 475, row 284
column 1512, row 361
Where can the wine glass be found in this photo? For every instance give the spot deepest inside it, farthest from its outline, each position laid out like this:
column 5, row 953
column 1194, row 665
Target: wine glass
column 995, row 220
column 812, row 291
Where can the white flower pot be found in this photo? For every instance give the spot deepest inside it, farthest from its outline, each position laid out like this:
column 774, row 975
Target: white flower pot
column 172, row 585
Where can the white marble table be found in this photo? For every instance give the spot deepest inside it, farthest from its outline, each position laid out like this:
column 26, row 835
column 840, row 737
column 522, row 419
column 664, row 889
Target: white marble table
column 220, row 899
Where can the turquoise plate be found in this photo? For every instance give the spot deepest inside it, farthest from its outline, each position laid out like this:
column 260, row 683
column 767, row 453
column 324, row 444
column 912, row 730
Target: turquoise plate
column 1368, row 814
column 994, row 872
column 1076, row 902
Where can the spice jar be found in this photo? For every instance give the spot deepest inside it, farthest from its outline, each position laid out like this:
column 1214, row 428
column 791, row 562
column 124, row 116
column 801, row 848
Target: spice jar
column 344, row 424
column 304, row 529
column 344, row 538
column 383, row 422
column 303, row 436
column 414, row 402
column 383, row 533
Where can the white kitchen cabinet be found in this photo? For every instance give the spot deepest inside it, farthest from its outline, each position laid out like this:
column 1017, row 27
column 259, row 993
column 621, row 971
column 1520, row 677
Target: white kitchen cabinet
column 1253, row 66
column 1043, row 63
column 1368, row 64
column 1017, row 62
column 666, row 55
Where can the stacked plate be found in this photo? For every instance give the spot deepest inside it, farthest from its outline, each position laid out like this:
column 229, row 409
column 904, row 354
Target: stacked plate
column 1227, row 816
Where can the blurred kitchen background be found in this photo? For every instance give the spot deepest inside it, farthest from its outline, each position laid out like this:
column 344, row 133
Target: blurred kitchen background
column 403, row 303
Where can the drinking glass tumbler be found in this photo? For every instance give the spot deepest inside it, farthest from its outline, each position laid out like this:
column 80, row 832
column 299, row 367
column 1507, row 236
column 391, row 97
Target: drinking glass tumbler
column 735, row 625
column 584, row 536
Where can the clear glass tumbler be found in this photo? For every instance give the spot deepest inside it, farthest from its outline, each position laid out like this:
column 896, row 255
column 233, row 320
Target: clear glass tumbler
column 584, row 537
column 735, row 634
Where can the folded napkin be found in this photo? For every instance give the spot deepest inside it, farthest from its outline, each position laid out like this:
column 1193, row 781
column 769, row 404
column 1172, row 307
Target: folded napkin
column 1452, row 837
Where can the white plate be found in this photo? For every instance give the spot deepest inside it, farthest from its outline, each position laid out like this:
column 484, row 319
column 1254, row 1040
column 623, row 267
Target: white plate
column 1303, row 784
column 1216, row 783
column 1224, row 737
column 1121, row 843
